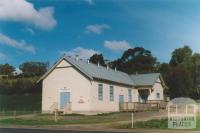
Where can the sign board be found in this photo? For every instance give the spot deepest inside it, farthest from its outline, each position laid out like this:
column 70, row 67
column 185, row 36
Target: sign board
column 182, row 113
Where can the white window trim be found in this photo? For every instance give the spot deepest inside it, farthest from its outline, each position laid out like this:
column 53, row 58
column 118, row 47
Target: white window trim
column 102, row 92
column 113, row 96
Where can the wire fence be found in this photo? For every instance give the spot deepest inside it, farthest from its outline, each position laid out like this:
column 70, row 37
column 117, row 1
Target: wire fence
column 16, row 113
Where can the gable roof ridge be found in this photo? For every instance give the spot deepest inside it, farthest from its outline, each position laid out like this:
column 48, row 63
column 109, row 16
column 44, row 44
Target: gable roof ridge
column 96, row 68
column 102, row 73
column 95, row 65
column 69, row 59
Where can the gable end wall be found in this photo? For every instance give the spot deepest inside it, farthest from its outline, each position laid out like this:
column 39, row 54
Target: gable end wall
column 66, row 78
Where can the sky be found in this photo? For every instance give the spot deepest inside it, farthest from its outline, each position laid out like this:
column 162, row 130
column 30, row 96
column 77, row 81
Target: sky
column 44, row 30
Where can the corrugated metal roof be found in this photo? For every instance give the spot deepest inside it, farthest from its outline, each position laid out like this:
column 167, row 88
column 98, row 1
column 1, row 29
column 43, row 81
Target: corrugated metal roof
column 100, row 72
column 94, row 71
column 145, row 79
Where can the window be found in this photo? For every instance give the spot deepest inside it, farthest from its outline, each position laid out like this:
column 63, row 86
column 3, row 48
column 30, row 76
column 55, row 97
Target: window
column 158, row 95
column 111, row 93
column 100, row 92
column 130, row 95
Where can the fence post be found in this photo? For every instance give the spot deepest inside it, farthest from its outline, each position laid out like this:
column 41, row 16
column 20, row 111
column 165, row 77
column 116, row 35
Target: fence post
column 132, row 121
column 55, row 117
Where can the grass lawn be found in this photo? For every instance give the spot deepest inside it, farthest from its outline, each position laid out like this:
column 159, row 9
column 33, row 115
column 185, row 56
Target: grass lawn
column 52, row 122
column 109, row 119
column 45, row 119
column 153, row 124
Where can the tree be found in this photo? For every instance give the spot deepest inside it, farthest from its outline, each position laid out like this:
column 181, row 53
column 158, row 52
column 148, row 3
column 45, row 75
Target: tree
column 165, row 69
column 136, row 60
column 180, row 55
column 117, row 64
column 6, row 69
column 182, row 74
column 20, row 86
column 193, row 65
column 34, row 68
column 179, row 82
column 97, row 58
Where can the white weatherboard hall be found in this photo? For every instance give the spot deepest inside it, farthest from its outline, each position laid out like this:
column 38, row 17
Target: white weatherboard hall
column 74, row 86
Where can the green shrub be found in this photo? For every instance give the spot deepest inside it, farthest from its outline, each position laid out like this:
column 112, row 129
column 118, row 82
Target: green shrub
column 31, row 102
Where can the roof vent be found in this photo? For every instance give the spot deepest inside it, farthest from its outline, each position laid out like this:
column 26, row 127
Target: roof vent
column 76, row 57
column 115, row 69
column 88, row 61
column 98, row 64
column 107, row 67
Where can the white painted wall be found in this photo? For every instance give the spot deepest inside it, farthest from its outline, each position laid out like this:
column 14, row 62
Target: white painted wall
column 157, row 88
column 84, row 93
column 68, row 79
column 81, row 89
column 106, row 105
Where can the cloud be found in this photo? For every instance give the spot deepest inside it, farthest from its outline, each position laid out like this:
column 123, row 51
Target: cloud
column 16, row 44
column 97, row 28
column 90, row 2
column 81, row 52
column 117, row 45
column 24, row 11
column 31, row 31
column 2, row 56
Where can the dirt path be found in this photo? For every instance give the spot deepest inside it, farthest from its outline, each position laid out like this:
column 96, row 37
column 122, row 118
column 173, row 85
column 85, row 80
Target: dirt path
column 145, row 116
column 139, row 116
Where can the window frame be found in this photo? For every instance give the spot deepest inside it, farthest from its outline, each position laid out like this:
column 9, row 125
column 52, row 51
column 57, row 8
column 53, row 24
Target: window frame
column 130, row 95
column 111, row 93
column 158, row 95
column 100, row 92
